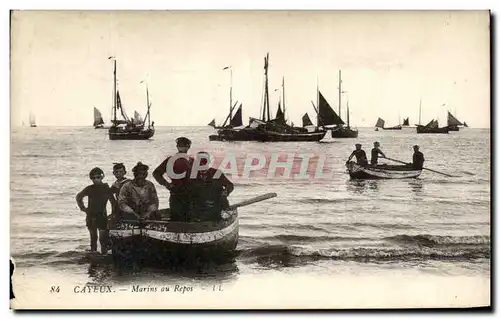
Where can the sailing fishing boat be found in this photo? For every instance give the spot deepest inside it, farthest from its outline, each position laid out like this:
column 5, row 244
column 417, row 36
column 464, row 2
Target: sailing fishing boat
column 32, row 120
column 453, row 123
column 381, row 124
column 236, row 120
column 326, row 116
column 266, row 129
column 98, row 121
column 406, row 122
column 431, row 127
column 342, row 131
column 125, row 129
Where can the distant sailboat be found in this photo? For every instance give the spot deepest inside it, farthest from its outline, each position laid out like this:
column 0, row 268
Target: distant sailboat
column 32, row 120
column 130, row 131
column 453, row 123
column 265, row 129
column 381, row 124
column 98, row 121
column 406, row 122
column 431, row 127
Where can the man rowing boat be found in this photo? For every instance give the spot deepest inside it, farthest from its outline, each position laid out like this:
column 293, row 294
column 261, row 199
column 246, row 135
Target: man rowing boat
column 360, row 156
column 375, row 152
column 418, row 158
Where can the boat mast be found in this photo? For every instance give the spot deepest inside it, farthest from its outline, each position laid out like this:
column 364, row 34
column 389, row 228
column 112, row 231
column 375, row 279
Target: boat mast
column 231, row 92
column 283, row 86
column 114, row 88
column 266, row 91
column 340, row 92
column 420, row 113
column 317, row 101
column 348, row 113
column 149, row 105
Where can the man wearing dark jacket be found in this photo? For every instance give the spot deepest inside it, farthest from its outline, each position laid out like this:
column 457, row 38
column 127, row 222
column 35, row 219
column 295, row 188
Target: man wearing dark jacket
column 175, row 166
column 209, row 190
column 418, row 158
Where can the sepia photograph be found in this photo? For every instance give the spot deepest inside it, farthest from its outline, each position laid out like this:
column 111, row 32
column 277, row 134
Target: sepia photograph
column 250, row 159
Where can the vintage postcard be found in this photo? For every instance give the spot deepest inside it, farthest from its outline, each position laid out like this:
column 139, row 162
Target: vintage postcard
column 250, row 159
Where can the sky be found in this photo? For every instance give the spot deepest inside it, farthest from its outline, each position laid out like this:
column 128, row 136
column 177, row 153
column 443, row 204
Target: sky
column 390, row 61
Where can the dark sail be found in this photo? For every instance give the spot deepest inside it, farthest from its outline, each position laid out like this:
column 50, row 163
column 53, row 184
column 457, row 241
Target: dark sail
column 380, row 123
column 97, row 117
column 432, row 124
column 306, row 121
column 326, row 115
column 120, row 106
column 406, row 121
column 237, row 119
column 280, row 117
column 453, row 120
column 212, row 123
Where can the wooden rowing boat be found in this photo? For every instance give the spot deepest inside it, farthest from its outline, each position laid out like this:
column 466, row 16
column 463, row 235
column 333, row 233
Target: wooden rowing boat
column 166, row 241
column 357, row 171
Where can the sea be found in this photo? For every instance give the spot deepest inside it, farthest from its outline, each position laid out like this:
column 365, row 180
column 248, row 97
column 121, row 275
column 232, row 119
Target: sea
column 320, row 243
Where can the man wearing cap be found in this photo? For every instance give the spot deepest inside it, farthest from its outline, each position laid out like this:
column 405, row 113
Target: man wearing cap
column 178, row 169
column 360, row 156
column 209, row 190
column 138, row 198
column 375, row 151
column 418, row 158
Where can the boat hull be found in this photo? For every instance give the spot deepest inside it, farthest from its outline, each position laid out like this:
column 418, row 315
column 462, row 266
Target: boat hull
column 394, row 128
column 440, row 130
column 382, row 171
column 165, row 242
column 344, row 133
column 102, row 127
column 115, row 134
column 266, row 136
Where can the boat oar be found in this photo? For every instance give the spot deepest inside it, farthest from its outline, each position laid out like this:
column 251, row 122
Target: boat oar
column 395, row 160
column 250, row 201
column 253, row 200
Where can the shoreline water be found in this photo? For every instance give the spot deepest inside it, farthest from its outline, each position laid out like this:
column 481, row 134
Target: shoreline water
column 388, row 238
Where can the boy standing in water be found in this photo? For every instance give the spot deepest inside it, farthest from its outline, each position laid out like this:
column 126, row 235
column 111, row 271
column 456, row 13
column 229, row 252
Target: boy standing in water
column 119, row 171
column 97, row 218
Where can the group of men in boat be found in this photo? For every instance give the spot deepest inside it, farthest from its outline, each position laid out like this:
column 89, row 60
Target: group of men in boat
column 361, row 159
column 200, row 196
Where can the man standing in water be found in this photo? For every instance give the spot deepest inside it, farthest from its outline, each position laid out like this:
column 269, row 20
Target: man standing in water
column 375, row 151
column 119, row 172
column 180, row 198
column 138, row 198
